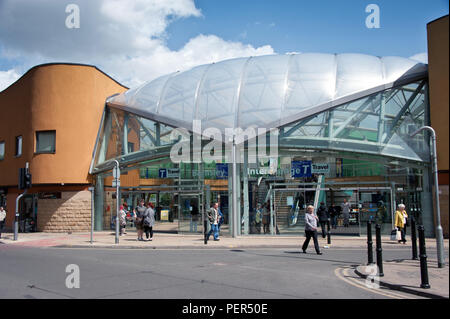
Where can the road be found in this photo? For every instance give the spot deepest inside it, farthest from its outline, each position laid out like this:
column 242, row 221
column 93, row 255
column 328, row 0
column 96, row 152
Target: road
column 28, row 273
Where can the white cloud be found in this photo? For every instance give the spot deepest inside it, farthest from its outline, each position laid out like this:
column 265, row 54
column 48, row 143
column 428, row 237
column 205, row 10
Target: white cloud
column 7, row 78
column 421, row 57
column 124, row 38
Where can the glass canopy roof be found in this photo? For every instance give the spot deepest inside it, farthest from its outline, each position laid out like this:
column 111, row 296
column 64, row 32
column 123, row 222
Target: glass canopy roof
column 265, row 91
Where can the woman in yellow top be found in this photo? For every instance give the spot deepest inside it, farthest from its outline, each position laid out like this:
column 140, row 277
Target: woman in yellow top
column 400, row 221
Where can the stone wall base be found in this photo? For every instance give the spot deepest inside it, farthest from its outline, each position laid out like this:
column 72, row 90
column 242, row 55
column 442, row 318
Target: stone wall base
column 71, row 213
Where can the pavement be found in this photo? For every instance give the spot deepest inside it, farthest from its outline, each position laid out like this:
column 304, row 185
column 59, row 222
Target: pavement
column 401, row 275
column 405, row 276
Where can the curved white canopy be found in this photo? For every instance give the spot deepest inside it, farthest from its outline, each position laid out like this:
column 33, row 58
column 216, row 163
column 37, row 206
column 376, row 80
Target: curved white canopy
column 265, row 91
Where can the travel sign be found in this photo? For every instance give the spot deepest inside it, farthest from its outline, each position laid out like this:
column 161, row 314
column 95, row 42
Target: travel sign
column 307, row 168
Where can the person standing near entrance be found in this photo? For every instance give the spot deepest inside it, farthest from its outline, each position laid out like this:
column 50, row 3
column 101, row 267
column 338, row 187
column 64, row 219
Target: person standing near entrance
column 346, row 211
column 139, row 221
column 149, row 221
column 213, row 217
column 324, row 217
column 2, row 219
column 400, row 221
column 311, row 230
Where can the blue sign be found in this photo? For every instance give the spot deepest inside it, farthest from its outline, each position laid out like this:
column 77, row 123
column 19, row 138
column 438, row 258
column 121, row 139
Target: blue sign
column 221, row 170
column 162, row 173
column 301, row 169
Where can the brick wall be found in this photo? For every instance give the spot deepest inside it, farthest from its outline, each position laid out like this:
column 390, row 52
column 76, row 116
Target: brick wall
column 70, row 213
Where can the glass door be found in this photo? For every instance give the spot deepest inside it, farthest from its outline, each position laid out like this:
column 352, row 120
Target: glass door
column 190, row 214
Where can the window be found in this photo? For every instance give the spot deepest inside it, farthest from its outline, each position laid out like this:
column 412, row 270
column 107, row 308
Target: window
column 2, row 150
column 130, row 147
column 18, row 146
column 45, row 142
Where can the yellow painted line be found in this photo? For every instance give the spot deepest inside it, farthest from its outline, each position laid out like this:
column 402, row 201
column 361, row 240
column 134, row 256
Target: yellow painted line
column 357, row 284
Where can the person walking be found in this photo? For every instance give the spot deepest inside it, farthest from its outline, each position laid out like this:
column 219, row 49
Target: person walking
column 2, row 219
column 346, row 211
column 149, row 221
column 122, row 219
column 213, row 217
column 311, row 230
column 324, row 218
column 139, row 221
column 400, row 222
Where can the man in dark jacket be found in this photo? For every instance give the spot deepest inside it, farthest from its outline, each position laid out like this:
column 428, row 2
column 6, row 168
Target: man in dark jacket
column 322, row 213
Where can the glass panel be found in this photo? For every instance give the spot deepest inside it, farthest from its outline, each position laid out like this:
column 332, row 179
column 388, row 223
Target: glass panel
column 380, row 124
column 124, row 135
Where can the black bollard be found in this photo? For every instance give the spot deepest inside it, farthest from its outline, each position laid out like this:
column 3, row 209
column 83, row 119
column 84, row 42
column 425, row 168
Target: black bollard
column 413, row 238
column 379, row 250
column 369, row 243
column 423, row 259
column 205, row 227
column 328, row 232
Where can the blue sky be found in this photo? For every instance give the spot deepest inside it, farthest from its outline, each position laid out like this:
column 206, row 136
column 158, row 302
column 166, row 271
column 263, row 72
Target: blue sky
column 138, row 40
column 314, row 26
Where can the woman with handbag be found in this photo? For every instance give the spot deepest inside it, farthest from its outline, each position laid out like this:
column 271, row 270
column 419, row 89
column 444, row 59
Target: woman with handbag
column 400, row 222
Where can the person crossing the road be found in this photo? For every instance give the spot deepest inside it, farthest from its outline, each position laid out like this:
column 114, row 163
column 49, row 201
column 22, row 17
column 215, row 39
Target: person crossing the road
column 311, row 230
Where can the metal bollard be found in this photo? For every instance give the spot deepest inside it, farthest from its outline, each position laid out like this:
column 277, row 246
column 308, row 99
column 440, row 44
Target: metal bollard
column 379, row 250
column 423, row 259
column 328, row 232
column 369, row 243
column 205, row 227
column 414, row 238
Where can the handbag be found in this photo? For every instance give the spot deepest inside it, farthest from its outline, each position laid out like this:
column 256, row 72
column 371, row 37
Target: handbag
column 398, row 235
column 394, row 234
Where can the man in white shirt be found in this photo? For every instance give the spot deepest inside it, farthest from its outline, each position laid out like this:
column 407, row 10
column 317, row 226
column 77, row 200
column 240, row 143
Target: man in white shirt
column 214, row 219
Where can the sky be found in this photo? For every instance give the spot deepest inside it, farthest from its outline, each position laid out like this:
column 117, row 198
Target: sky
column 135, row 41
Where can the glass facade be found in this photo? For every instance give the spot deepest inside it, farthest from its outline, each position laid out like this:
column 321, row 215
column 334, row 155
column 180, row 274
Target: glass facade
column 343, row 127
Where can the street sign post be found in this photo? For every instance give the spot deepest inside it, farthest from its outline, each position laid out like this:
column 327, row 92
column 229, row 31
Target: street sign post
column 116, row 183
